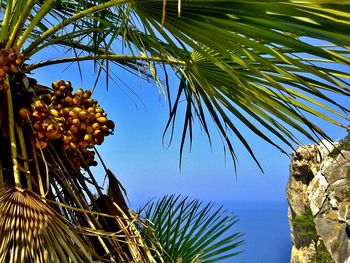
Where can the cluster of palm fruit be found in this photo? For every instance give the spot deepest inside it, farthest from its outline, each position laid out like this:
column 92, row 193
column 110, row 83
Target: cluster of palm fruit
column 10, row 62
column 74, row 118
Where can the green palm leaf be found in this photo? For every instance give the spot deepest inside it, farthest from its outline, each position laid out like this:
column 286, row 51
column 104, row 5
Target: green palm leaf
column 187, row 230
column 254, row 62
column 246, row 64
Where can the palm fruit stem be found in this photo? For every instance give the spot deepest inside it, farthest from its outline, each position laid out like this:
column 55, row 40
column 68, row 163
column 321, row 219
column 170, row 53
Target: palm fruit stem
column 87, row 169
column 37, row 169
column 101, row 160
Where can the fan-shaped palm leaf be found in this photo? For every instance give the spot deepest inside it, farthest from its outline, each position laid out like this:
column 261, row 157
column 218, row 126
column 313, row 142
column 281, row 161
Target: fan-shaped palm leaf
column 31, row 231
column 189, row 231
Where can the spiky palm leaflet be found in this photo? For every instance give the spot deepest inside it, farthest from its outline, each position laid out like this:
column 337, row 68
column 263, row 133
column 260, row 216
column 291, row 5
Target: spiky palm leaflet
column 189, row 231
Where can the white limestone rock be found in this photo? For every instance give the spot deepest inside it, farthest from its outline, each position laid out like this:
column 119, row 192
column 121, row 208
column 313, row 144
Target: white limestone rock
column 316, row 192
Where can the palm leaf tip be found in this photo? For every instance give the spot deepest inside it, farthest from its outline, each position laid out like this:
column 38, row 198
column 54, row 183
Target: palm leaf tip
column 31, row 231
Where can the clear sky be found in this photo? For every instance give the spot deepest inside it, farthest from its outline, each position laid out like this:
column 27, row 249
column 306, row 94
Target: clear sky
column 147, row 169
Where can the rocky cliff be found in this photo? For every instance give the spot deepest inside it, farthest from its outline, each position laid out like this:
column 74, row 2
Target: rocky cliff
column 319, row 184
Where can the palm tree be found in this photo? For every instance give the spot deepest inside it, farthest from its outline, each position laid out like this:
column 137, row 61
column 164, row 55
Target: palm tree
column 267, row 64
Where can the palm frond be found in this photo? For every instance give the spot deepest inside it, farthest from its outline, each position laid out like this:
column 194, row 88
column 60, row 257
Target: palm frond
column 187, row 230
column 256, row 62
column 260, row 63
column 31, row 231
column 249, row 63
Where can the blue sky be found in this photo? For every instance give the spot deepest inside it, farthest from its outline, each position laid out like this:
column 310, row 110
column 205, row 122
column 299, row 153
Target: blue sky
column 147, row 169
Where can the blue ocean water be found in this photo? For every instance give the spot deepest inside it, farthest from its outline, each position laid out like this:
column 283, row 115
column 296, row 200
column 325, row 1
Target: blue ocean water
column 267, row 234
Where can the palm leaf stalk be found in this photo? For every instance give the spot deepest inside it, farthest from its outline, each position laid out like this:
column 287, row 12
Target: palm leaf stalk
column 267, row 64
column 22, row 144
column 11, row 125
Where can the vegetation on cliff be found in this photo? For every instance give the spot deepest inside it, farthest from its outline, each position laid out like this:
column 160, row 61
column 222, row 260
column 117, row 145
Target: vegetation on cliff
column 307, row 230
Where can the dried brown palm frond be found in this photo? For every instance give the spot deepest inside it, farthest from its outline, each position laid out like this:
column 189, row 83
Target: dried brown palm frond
column 31, row 231
column 106, row 216
column 123, row 222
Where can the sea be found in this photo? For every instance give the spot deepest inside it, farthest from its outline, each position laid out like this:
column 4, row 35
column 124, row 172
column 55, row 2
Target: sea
column 266, row 232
